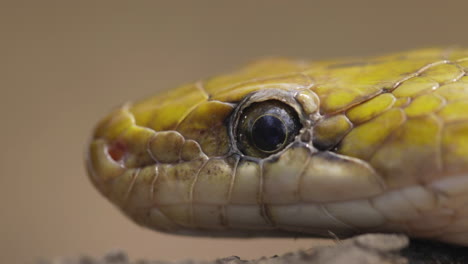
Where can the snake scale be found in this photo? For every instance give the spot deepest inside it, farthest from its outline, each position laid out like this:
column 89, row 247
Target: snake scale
column 295, row 147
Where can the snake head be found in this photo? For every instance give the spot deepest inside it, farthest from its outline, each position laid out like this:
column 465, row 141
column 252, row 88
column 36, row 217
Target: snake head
column 342, row 146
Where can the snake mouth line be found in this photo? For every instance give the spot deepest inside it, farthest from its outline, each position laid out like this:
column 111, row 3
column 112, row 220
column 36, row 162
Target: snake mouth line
column 117, row 151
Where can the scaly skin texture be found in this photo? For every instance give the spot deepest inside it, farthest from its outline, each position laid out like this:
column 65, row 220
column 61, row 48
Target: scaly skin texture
column 383, row 147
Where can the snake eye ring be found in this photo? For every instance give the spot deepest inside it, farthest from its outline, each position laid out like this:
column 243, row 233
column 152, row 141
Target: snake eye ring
column 266, row 127
column 265, row 123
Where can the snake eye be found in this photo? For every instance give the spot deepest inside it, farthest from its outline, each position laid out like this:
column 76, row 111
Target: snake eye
column 266, row 127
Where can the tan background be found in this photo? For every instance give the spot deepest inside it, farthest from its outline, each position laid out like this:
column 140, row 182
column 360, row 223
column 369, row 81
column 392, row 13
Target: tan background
column 64, row 64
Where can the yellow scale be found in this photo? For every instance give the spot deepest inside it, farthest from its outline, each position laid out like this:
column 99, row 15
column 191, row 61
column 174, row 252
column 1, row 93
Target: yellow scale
column 289, row 147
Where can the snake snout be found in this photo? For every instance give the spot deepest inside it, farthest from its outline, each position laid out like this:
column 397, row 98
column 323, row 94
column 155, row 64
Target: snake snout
column 113, row 149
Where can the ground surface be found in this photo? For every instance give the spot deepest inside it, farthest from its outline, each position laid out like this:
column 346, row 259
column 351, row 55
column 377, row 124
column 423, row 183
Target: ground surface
column 366, row 249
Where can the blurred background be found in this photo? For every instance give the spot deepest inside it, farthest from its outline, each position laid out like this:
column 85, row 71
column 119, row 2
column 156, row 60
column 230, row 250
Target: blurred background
column 65, row 64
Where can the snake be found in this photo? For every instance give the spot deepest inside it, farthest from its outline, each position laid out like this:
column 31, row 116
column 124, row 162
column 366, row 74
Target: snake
column 292, row 147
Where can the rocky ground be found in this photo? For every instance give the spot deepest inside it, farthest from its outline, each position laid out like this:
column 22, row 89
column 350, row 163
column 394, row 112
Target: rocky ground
column 365, row 249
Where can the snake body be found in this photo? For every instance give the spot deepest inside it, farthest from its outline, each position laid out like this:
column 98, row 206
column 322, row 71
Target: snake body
column 381, row 145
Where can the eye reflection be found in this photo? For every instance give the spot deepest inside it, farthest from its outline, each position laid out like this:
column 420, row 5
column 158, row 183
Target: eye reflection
column 268, row 133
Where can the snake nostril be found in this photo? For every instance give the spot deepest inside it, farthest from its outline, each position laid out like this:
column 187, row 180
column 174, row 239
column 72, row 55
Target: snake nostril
column 117, row 150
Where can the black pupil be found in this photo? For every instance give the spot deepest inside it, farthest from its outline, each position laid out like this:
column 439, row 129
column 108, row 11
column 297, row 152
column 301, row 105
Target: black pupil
column 268, row 133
